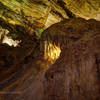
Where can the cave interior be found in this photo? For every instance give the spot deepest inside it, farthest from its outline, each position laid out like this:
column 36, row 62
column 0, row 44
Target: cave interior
column 49, row 50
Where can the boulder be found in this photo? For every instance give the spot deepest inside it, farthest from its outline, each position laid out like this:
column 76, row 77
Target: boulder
column 76, row 73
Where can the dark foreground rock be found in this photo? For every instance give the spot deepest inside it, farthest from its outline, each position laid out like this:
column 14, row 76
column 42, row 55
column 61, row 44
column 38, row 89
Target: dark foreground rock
column 20, row 66
column 76, row 74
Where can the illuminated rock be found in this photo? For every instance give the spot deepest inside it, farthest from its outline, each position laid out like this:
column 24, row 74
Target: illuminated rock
column 51, row 52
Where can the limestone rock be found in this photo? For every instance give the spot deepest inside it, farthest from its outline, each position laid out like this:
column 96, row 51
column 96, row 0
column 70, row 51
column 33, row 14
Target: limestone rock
column 76, row 73
column 44, row 13
column 81, row 8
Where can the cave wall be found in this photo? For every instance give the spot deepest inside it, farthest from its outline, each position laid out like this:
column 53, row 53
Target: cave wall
column 75, row 74
column 23, row 19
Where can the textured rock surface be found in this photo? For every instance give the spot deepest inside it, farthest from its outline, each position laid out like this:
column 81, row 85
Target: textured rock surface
column 18, row 11
column 75, row 75
column 82, row 8
column 43, row 13
column 20, row 66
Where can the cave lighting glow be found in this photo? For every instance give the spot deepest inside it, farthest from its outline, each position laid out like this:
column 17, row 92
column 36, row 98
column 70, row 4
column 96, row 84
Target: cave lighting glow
column 52, row 52
column 10, row 41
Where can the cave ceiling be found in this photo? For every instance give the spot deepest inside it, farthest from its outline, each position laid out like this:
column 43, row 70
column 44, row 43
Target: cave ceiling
column 35, row 15
column 44, row 13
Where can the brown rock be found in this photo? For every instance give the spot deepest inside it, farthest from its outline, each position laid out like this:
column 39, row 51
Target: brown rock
column 76, row 74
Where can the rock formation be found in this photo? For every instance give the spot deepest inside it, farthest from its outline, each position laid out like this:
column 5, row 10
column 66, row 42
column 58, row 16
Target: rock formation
column 70, row 49
column 75, row 75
